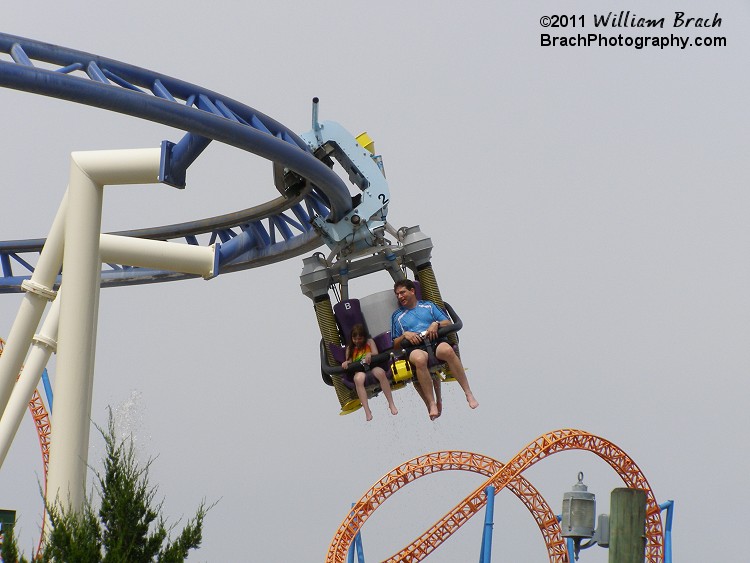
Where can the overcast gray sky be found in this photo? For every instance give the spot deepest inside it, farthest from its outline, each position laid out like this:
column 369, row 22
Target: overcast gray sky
column 589, row 211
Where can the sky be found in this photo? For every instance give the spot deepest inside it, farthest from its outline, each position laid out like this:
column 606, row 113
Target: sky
column 588, row 209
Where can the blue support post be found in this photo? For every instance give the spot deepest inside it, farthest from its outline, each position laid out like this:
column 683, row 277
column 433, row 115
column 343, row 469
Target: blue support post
column 356, row 546
column 571, row 545
column 669, row 507
column 176, row 158
column 485, row 556
column 360, row 549
column 47, row 388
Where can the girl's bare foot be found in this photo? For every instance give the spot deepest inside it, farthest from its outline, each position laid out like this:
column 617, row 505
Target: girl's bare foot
column 368, row 416
column 394, row 410
column 473, row 403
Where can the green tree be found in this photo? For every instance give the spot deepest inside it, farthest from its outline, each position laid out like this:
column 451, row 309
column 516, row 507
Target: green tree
column 128, row 527
column 9, row 548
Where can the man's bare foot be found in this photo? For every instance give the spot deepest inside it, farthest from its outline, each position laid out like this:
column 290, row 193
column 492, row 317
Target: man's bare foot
column 394, row 410
column 473, row 403
column 368, row 416
column 433, row 412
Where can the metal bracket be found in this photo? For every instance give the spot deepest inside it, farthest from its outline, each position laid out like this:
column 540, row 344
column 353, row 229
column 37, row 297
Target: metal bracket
column 370, row 208
column 50, row 343
column 38, row 289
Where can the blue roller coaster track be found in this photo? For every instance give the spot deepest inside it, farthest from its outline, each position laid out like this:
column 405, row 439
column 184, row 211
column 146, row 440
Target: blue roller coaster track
column 271, row 232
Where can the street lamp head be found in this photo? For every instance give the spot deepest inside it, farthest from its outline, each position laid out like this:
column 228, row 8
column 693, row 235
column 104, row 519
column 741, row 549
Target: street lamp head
column 578, row 513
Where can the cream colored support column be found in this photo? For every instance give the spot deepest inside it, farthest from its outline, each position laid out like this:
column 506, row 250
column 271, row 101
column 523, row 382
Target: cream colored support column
column 38, row 293
column 71, row 417
column 44, row 344
column 161, row 255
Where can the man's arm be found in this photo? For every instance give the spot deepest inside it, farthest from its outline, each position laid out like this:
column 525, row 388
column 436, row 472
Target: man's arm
column 398, row 342
column 432, row 330
column 441, row 319
column 415, row 338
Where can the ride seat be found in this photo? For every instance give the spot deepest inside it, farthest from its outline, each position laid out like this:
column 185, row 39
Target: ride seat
column 433, row 363
column 375, row 312
column 349, row 313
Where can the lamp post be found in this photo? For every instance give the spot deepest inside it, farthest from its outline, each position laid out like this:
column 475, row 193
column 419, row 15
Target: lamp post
column 626, row 539
column 578, row 515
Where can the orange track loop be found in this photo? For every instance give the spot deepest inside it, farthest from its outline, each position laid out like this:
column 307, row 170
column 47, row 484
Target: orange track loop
column 503, row 476
column 447, row 461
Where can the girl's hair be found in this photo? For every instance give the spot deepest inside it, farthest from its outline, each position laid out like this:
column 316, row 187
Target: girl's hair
column 358, row 330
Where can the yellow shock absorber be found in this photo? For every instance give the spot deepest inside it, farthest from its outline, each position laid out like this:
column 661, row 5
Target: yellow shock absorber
column 330, row 333
column 431, row 291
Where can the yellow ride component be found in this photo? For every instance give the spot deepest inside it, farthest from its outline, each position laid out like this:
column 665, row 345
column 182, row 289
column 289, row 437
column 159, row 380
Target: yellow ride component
column 402, row 371
column 350, row 407
column 366, row 141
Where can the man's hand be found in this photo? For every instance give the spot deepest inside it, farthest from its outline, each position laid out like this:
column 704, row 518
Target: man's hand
column 412, row 338
column 432, row 330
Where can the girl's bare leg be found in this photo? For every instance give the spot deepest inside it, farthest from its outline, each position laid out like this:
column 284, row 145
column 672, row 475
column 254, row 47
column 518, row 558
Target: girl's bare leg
column 359, row 384
column 380, row 375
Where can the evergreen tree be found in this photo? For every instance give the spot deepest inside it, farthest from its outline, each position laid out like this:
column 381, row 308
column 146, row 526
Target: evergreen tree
column 128, row 527
column 9, row 548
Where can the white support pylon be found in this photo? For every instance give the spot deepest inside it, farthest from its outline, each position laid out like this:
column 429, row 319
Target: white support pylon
column 44, row 344
column 38, row 292
column 89, row 173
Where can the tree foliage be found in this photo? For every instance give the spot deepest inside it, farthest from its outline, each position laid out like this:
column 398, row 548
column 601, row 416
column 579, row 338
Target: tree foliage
column 128, row 527
column 9, row 548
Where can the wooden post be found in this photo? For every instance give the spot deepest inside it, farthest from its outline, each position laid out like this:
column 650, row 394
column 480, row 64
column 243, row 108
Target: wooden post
column 627, row 526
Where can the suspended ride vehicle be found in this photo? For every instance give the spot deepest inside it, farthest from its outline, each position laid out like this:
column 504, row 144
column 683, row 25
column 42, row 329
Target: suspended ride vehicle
column 359, row 245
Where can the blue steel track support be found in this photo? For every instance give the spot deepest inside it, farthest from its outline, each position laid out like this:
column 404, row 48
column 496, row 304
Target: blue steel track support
column 356, row 547
column 669, row 507
column 271, row 232
column 485, row 555
column 47, row 388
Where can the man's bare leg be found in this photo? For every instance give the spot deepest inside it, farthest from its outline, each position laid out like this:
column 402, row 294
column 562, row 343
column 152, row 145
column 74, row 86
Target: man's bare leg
column 418, row 359
column 418, row 387
column 438, row 396
column 446, row 354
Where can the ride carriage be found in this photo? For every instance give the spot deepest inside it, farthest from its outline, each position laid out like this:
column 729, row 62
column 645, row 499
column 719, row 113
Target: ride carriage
column 359, row 246
column 320, row 279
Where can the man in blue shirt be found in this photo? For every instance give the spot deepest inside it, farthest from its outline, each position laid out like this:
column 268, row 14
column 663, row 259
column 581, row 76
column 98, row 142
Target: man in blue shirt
column 411, row 324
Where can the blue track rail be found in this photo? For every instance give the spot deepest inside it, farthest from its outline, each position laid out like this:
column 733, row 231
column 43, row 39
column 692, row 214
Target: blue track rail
column 271, row 232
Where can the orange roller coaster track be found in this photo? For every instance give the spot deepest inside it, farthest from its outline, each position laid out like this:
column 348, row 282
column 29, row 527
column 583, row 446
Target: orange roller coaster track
column 43, row 428
column 508, row 475
column 41, row 422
